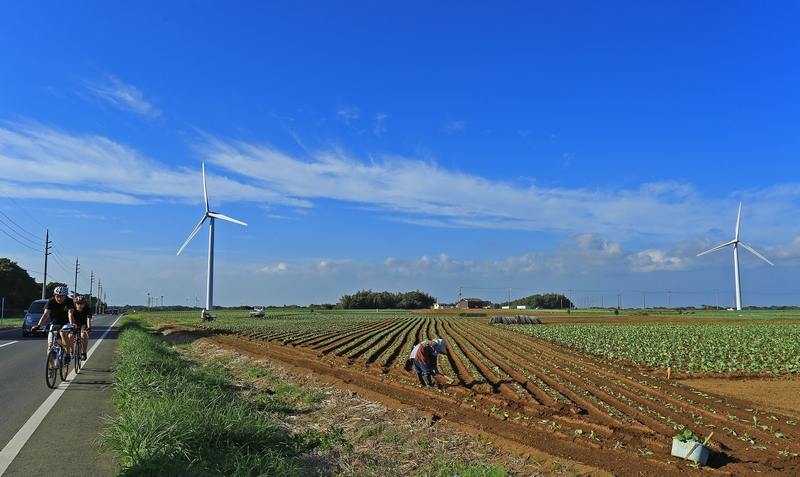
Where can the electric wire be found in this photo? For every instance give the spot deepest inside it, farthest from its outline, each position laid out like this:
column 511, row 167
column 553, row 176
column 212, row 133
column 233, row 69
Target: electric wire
column 23, row 244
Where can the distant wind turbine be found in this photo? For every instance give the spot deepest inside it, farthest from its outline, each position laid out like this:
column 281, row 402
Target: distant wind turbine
column 735, row 242
column 211, row 216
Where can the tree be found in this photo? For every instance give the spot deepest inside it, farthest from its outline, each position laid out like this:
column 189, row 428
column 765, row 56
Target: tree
column 17, row 287
column 367, row 299
column 548, row 301
column 51, row 288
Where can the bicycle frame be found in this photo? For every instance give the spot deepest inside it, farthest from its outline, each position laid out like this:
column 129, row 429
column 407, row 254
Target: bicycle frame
column 55, row 359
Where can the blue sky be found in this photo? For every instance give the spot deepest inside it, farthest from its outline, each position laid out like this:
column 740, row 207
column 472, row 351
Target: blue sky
column 493, row 149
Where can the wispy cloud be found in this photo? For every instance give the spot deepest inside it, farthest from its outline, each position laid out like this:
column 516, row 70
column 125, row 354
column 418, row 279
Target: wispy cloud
column 123, row 96
column 379, row 127
column 39, row 161
column 42, row 162
column 347, row 114
column 452, row 127
column 422, row 192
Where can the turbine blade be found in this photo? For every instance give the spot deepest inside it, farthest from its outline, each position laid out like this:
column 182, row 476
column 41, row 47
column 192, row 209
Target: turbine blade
column 217, row 215
column 205, row 191
column 196, row 229
column 757, row 254
column 718, row 247
column 738, row 220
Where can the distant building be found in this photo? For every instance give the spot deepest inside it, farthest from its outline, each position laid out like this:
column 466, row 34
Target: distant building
column 470, row 303
column 522, row 307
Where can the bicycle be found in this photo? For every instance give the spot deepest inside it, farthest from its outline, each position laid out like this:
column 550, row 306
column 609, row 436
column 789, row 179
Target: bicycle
column 77, row 347
column 56, row 364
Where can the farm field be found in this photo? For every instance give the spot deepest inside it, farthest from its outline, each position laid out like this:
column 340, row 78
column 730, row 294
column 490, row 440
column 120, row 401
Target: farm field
column 589, row 388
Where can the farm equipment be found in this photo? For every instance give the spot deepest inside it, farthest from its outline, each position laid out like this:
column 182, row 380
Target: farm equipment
column 257, row 312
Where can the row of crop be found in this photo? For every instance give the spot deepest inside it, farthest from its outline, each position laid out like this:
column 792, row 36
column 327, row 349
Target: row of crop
column 685, row 347
column 678, row 411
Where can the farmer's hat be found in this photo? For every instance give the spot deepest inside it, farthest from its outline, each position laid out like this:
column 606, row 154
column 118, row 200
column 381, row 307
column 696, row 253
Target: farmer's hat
column 442, row 345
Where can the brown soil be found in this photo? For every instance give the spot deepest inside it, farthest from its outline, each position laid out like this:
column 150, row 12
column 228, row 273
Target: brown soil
column 537, row 397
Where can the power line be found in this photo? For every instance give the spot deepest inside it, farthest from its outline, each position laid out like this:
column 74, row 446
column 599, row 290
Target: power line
column 18, row 226
column 39, row 243
column 14, row 239
column 22, row 209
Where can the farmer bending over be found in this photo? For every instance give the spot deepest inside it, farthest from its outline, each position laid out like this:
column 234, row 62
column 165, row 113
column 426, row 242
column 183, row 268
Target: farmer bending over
column 423, row 358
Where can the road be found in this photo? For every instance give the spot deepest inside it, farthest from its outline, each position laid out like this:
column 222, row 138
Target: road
column 47, row 431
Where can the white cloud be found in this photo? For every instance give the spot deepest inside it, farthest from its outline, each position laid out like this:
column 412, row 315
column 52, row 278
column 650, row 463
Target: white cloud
column 45, row 163
column 348, row 114
column 279, row 268
column 454, row 126
column 124, row 96
column 379, row 127
column 42, row 162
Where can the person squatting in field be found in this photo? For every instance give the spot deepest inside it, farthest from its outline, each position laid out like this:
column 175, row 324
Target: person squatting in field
column 423, row 359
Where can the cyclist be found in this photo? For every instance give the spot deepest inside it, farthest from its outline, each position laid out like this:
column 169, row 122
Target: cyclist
column 60, row 309
column 83, row 322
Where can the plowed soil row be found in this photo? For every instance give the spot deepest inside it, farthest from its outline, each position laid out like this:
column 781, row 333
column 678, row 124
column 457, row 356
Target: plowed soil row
column 539, row 395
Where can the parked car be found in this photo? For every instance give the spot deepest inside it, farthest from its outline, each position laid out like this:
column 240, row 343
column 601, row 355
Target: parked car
column 32, row 316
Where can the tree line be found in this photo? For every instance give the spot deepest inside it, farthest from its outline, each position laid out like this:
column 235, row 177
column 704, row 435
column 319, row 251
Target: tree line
column 547, row 301
column 20, row 289
column 367, row 299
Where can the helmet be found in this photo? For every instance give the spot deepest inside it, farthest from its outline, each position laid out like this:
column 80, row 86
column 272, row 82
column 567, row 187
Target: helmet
column 442, row 345
column 80, row 299
column 62, row 291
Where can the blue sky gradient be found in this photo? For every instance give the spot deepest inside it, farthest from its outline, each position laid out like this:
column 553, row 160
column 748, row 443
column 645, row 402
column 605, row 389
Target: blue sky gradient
column 530, row 146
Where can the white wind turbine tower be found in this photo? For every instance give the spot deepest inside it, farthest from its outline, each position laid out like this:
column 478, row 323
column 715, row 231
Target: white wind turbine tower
column 210, row 216
column 735, row 242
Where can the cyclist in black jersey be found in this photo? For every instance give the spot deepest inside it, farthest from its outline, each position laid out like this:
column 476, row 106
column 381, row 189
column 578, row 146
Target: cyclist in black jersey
column 83, row 323
column 60, row 309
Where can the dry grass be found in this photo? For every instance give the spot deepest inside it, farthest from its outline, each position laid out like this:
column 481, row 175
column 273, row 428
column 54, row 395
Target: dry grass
column 378, row 441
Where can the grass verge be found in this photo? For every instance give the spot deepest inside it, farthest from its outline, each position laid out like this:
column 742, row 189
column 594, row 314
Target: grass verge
column 176, row 418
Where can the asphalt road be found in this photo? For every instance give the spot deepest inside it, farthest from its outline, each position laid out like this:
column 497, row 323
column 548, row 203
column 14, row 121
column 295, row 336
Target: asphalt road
column 43, row 431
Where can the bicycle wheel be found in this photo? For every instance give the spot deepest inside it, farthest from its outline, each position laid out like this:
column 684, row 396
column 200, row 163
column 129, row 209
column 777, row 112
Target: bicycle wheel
column 63, row 365
column 52, row 366
column 76, row 357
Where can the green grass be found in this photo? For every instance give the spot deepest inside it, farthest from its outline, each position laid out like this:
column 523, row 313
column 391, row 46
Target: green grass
column 175, row 418
column 11, row 323
column 442, row 468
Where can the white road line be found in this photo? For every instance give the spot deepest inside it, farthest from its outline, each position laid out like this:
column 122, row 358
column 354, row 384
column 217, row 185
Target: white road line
column 10, row 342
column 10, row 451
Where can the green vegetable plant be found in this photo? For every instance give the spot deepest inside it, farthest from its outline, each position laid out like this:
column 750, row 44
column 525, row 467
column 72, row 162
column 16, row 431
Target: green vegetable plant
column 687, row 436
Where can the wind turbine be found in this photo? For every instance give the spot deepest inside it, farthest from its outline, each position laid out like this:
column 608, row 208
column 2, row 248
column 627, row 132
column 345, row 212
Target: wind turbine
column 210, row 216
column 735, row 242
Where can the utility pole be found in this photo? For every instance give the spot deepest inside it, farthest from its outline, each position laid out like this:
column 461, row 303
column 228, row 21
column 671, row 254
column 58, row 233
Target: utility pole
column 620, row 299
column 669, row 302
column 91, row 282
column 75, row 288
column 46, row 253
column 645, row 300
column 459, row 294
column 509, row 298
column 162, row 301
column 97, row 306
column 570, row 297
column 717, row 298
